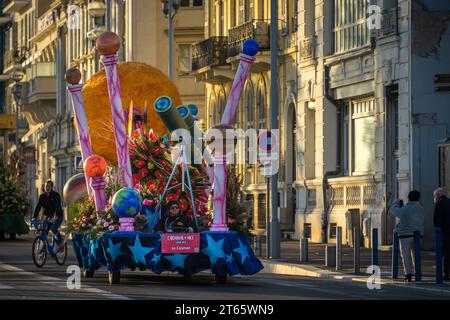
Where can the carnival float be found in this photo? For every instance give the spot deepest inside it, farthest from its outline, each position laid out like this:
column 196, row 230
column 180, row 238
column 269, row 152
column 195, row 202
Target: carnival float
column 126, row 117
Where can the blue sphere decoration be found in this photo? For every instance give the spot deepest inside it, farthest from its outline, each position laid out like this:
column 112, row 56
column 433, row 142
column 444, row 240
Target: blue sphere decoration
column 250, row 47
column 126, row 203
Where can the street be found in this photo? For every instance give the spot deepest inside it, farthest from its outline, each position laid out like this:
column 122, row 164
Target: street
column 20, row 279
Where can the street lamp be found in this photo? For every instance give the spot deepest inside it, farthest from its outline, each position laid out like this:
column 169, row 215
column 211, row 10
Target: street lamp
column 17, row 76
column 170, row 8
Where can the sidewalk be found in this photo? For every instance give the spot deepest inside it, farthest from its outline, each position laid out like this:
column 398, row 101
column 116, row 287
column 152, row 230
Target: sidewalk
column 289, row 263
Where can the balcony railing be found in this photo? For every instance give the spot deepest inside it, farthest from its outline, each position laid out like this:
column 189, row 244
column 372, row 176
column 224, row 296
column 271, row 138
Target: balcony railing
column 389, row 22
column 353, row 194
column 14, row 56
column 210, row 52
column 257, row 30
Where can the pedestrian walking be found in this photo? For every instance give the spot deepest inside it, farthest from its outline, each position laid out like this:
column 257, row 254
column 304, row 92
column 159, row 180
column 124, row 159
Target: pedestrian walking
column 411, row 219
column 442, row 220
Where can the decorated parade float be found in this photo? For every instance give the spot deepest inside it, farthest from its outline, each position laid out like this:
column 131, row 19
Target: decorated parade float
column 126, row 117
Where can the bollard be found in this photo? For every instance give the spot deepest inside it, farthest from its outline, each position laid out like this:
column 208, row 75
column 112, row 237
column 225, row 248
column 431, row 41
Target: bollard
column 417, row 256
column 356, row 250
column 303, row 249
column 395, row 252
column 330, row 256
column 375, row 247
column 438, row 235
column 339, row 248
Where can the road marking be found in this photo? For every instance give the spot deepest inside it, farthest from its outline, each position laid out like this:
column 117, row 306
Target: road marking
column 60, row 283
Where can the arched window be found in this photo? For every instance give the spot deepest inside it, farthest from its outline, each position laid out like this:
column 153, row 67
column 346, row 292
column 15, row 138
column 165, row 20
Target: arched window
column 221, row 105
column 261, row 104
column 212, row 110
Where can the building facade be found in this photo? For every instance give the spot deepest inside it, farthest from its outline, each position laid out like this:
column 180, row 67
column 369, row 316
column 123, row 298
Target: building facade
column 360, row 119
column 44, row 38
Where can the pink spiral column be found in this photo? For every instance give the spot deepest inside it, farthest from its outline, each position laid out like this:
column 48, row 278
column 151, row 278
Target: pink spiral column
column 220, row 192
column 73, row 77
column 250, row 49
column 98, row 184
column 108, row 44
column 229, row 115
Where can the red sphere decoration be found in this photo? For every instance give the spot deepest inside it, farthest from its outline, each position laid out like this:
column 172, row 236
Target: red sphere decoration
column 108, row 43
column 95, row 166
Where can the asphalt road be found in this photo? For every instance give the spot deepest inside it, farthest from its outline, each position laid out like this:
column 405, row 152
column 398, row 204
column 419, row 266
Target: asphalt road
column 20, row 279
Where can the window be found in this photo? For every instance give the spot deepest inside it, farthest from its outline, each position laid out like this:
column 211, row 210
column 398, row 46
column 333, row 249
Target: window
column 307, row 230
column 184, row 58
column 359, row 125
column 333, row 230
column 350, row 27
column 191, row 3
column 245, row 11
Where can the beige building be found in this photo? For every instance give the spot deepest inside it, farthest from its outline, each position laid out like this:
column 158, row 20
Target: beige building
column 46, row 37
column 228, row 24
column 354, row 122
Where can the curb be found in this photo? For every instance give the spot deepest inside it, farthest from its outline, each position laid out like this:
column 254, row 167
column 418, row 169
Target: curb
column 290, row 269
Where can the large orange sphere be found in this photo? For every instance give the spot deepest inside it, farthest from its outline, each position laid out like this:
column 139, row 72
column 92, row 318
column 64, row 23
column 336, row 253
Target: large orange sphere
column 139, row 83
column 95, row 166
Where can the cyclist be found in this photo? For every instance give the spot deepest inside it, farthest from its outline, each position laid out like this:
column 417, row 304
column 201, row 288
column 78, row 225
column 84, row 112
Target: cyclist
column 50, row 201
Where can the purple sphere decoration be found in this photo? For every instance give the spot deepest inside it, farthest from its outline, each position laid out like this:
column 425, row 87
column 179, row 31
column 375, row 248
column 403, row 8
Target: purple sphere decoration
column 250, row 47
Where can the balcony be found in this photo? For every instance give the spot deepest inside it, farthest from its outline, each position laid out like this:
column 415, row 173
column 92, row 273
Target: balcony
column 39, row 97
column 209, row 53
column 389, row 22
column 11, row 6
column 13, row 58
column 257, row 30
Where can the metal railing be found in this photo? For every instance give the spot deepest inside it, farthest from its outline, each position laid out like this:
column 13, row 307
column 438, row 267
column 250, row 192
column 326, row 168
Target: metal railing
column 210, row 52
column 255, row 29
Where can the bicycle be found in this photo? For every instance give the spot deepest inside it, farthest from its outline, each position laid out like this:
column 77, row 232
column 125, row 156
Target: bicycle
column 41, row 246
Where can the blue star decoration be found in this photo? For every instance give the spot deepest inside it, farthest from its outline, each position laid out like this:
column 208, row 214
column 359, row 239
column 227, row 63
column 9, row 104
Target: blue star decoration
column 242, row 250
column 139, row 252
column 94, row 247
column 229, row 258
column 177, row 260
column 214, row 250
column 156, row 258
column 114, row 250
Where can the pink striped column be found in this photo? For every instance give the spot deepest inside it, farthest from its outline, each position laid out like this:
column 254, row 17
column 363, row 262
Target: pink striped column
column 220, row 192
column 108, row 44
column 73, row 77
column 98, row 184
column 250, row 49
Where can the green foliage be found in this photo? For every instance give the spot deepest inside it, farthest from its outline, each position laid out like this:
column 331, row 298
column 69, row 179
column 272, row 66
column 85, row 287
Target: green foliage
column 12, row 195
column 236, row 214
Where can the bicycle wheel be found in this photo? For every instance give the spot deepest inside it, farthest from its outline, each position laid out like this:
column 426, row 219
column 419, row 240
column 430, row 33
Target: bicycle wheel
column 39, row 252
column 61, row 256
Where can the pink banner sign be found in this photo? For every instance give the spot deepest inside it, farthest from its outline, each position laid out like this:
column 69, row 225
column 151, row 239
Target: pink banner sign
column 172, row 243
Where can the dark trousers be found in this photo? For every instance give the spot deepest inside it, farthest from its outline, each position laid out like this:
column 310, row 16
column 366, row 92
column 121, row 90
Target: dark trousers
column 54, row 228
column 446, row 254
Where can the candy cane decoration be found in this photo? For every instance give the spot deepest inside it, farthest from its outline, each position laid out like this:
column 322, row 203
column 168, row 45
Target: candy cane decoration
column 108, row 44
column 73, row 77
column 250, row 49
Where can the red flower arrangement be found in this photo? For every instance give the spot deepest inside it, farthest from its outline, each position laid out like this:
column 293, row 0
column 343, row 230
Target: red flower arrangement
column 152, row 165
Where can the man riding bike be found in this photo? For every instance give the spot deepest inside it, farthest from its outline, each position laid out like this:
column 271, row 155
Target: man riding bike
column 50, row 201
